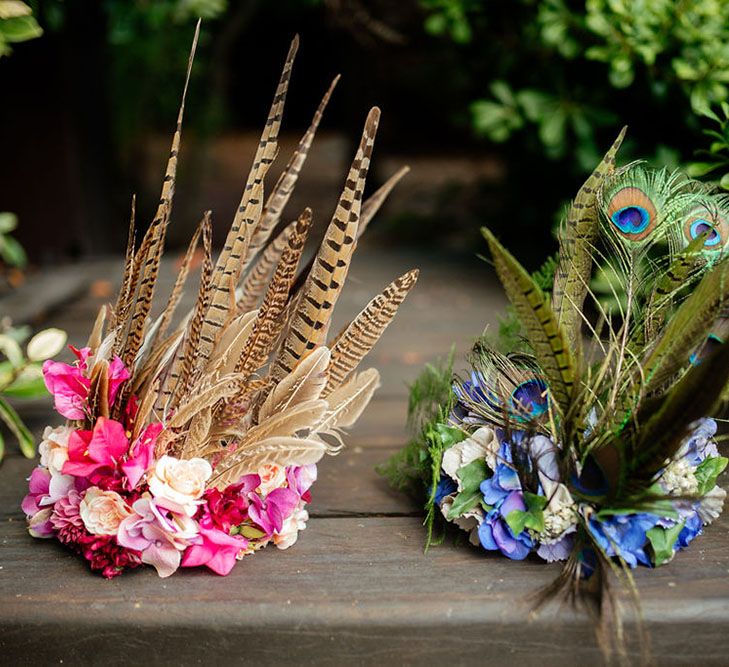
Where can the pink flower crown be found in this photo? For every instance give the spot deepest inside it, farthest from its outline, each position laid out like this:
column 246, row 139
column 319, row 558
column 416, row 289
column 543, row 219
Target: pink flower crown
column 197, row 445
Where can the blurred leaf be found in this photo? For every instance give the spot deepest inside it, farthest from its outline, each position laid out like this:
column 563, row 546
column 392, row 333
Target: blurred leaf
column 18, row 428
column 8, row 222
column 29, row 384
column 46, row 344
column 13, row 8
column 20, row 29
column 11, row 350
column 12, row 252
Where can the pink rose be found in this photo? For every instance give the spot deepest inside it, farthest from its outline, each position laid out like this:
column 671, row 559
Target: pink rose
column 103, row 511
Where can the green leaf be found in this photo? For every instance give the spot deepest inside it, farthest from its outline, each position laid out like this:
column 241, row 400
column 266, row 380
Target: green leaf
column 471, row 476
column 250, row 532
column 662, row 541
column 533, row 517
column 2, row 447
column 708, row 471
column 464, row 502
column 19, row 429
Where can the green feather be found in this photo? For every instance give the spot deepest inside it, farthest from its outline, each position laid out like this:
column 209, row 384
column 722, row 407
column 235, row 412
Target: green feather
column 687, row 328
column 576, row 243
column 544, row 333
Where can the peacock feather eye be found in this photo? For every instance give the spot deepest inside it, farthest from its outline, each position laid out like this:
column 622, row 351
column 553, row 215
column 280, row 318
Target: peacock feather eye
column 632, row 213
column 530, row 397
column 702, row 221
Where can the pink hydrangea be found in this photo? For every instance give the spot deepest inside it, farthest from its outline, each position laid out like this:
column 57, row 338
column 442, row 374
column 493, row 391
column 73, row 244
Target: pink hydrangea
column 158, row 535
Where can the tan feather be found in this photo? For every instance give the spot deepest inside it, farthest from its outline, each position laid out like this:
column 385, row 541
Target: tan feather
column 256, row 281
column 224, row 388
column 347, row 403
column 98, row 331
column 365, row 330
column 287, row 181
column 281, row 451
column 99, row 389
column 231, row 260
column 198, row 433
column 155, row 234
column 179, row 285
column 268, row 323
column 305, row 382
column 122, row 302
column 178, row 375
column 232, row 342
column 324, row 284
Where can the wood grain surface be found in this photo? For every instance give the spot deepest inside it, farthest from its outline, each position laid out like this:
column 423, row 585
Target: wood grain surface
column 356, row 588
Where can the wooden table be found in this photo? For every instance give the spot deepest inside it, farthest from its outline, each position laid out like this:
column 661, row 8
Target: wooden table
column 357, row 587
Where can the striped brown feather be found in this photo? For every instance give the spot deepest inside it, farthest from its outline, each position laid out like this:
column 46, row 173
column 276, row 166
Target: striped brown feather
column 365, row 330
column 230, row 261
column 284, row 187
column 122, row 301
column 324, row 284
column 155, row 234
column 179, row 285
column 257, row 279
column 268, row 323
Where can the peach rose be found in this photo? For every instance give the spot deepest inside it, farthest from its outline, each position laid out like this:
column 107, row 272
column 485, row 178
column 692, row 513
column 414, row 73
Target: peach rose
column 272, row 477
column 178, row 484
column 291, row 527
column 53, row 449
column 103, row 511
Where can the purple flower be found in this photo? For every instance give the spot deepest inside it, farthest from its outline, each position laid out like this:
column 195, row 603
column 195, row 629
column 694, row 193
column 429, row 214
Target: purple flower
column 270, row 512
column 495, row 535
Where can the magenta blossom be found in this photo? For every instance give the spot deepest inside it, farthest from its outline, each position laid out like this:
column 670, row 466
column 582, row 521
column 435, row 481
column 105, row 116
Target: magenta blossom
column 214, row 548
column 141, row 454
column 39, row 517
column 96, row 454
column 269, row 513
column 70, row 386
column 300, row 479
column 229, row 507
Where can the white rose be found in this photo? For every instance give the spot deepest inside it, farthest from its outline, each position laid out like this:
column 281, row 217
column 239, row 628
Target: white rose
column 467, row 451
column 177, row 484
column 103, row 511
column 272, row 477
column 291, row 527
column 53, row 449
